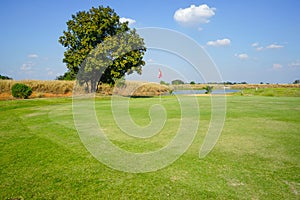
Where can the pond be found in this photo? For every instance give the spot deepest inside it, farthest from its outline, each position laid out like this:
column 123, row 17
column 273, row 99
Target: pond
column 226, row 91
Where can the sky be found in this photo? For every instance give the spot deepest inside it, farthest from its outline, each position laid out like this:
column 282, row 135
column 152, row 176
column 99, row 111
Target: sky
column 253, row 41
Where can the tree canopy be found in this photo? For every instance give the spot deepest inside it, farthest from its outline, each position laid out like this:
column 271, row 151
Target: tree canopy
column 86, row 37
column 177, row 82
column 112, row 59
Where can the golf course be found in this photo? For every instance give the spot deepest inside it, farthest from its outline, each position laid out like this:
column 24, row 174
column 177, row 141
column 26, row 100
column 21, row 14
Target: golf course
column 256, row 157
column 158, row 100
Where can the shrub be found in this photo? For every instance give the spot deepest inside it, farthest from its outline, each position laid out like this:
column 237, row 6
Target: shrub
column 163, row 83
column 20, row 90
column 208, row 89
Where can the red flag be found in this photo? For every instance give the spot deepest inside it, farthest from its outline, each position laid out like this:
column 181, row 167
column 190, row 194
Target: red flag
column 159, row 73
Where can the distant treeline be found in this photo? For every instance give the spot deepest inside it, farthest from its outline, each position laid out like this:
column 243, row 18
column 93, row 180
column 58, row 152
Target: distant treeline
column 5, row 77
column 180, row 82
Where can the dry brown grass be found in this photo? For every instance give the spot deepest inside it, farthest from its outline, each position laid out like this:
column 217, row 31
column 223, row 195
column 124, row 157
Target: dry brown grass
column 136, row 88
column 53, row 87
column 40, row 88
column 58, row 88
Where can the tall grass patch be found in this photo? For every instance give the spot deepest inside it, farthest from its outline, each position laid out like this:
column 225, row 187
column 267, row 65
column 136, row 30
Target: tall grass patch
column 54, row 87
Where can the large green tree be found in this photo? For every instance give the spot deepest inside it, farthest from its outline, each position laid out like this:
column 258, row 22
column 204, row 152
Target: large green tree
column 85, row 37
column 113, row 58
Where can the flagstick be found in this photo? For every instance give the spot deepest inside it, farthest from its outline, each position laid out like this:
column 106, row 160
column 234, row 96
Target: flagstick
column 159, row 92
column 159, row 88
column 159, row 77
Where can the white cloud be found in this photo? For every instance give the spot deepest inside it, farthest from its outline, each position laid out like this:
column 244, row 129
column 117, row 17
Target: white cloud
column 242, row 56
column 194, row 14
column 32, row 56
column 274, row 46
column 271, row 46
column 277, row 66
column 222, row 42
column 27, row 66
column 294, row 64
column 130, row 21
column 259, row 48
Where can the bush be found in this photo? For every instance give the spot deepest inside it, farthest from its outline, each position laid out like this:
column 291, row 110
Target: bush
column 208, row 89
column 163, row 83
column 20, row 90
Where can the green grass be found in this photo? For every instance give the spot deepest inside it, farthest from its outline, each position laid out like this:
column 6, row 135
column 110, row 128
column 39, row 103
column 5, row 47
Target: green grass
column 272, row 92
column 256, row 157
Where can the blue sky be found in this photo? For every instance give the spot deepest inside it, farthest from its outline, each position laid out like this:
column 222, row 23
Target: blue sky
column 253, row 41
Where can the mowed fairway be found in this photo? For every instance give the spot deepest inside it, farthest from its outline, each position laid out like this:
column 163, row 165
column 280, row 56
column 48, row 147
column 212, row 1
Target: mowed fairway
column 256, row 157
